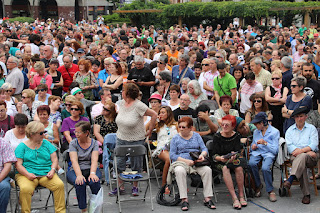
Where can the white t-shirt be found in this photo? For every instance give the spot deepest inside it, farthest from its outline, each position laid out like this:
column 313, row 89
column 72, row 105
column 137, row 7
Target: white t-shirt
column 13, row 140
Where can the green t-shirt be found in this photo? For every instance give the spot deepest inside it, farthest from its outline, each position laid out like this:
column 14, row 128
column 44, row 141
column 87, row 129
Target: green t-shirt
column 36, row 161
column 224, row 85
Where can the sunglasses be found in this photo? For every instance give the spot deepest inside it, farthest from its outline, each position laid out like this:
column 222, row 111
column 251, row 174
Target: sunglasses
column 218, row 57
column 275, row 78
column 68, row 105
column 75, row 109
column 182, row 127
column 257, row 101
column 23, row 97
column 41, row 90
column 8, row 90
column 43, row 132
column 79, row 93
column 205, row 65
column 108, row 110
column 161, row 62
column 293, row 86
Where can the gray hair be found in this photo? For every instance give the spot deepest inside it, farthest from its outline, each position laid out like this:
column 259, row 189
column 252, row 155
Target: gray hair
column 196, row 87
column 311, row 57
column 166, row 76
column 187, row 79
column 286, row 62
column 257, row 61
column 185, row 57
column 68, row 55
column 51, row 47
column 164, row 58
column 214, row 59
column 92, row 45
column 14, row 60
column 301, row 81
column 138, row 58
column 212, row 48
column 259, row 44
column 223, row 53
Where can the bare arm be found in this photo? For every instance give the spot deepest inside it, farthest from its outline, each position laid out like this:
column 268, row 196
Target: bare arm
column 94, row 161
column 5, row 171
column 75, row 163
column 96, row 132
column 60, row 84
column 66, row 134
column 217, row 97
column 152, row 122
column 116, row 84
column 206, row 87
column 233, row 94
column 56, row 139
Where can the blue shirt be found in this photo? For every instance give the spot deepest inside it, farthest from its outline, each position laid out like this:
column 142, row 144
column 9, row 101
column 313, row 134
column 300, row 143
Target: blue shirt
column 103, row 75
column 46, row 101
column 296, row 138
column 176, row 76
column 180, row 147
column 271, row 136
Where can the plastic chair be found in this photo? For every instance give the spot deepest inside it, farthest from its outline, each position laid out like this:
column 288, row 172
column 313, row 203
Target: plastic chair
column 132, row 151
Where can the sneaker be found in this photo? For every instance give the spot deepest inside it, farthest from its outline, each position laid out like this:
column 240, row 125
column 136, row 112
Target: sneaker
column 135, row 191
column 115, row 192
column 60, row 171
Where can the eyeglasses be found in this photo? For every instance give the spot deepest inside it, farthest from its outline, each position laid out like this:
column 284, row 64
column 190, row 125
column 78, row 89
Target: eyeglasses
column 225, row 125
column 68, row 105
column 106, row 109
column 307, row 70
column 41, row 90
column 205, row 65
column 161, row 62
column 240, row 48
column 74, row 109
column 3, row 110
column 275, row 78
column 293, row 85
column 8, row 90
column 43, row 132
column 23, row 97
column 257, row 101
column 79, row 93
column 182, row 127
column 245, row 68
column 218, row 56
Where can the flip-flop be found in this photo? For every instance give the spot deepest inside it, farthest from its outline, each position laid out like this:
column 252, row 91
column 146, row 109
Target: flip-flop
column 317, row 176
column 243, row 202
column 236, row 204
column 209, row 204
column 184, row 205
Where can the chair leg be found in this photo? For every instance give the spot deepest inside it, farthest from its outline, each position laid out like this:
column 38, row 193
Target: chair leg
column 153, row 166
column 314, row 181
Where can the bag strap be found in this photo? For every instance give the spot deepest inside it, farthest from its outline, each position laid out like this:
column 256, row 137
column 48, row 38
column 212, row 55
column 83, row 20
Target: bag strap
column 9, row 120
column 220, row 85
column 185, row 71
column 68, row 73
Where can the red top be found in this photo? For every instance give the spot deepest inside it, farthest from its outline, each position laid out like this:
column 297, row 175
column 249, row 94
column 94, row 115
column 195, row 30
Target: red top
column 67, row 75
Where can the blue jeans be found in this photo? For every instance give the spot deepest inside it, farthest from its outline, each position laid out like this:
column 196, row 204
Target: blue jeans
column 109, row 143
column 4, row 194
column 81, row 189
column 266, row 170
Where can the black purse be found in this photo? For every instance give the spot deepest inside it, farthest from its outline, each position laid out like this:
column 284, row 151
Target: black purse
column 195, row 156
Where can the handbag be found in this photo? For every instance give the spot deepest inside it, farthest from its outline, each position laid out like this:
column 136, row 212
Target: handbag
column 195, row 156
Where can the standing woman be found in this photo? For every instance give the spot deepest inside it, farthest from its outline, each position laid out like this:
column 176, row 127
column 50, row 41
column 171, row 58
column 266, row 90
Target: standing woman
column 84, row 154
column 276, row 96
column 41, row 77
column 297, row 99
column 238, row 75
column 166, row 128
column 85, row 79
column 95, row 69
column 174, row 92
column 131, row 129
column 259, row 104
column 57, row 80
column 115, row 80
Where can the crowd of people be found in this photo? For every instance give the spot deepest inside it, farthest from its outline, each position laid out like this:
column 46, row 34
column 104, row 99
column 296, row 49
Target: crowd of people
column 65, row 87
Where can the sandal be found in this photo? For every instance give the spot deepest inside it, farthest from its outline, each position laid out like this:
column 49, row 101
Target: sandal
column 236, row 204
column 209, row 204
column 243, row 202
column 317, row 176
column 185, row 206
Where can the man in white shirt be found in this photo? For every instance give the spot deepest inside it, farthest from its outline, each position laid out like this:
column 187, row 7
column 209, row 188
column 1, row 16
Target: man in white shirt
column 15, row 77
column 105, row 95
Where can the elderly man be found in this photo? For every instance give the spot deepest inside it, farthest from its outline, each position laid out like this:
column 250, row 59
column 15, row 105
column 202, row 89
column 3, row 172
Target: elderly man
column 105, row 95
column 286, row 68
column 262, row 75
column 233, row 59
column 15, row 77
column 7, row 157
column 143, row 77
column 302, row 142
column 48, row 52
column 184, row 109
column 182, row 70
column 67, row 70
column 264, row 147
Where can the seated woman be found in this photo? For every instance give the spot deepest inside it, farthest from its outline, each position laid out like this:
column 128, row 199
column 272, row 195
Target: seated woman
column 42, row 95
column 66, row 112
column 166, row 128
column 29, row 106
column 195, row 93
column 37, row 163
column 9, row 99
column 225, row 142
column 105, row 123
column 84, row 153
column 54, row 103
column 181, row 145
column 259, row 104
column 17, row 135
column 226, row 104
column 68, row 124
column 155, row 103
column 174, row 92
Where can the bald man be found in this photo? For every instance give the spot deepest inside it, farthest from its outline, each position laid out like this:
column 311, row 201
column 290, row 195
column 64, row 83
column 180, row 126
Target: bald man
column 184, row 109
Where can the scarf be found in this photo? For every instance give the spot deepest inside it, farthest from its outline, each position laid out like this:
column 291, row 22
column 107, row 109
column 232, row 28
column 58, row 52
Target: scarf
column 278, row 91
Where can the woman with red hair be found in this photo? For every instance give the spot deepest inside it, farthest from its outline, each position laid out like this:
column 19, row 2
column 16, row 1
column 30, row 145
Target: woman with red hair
column 225, row 142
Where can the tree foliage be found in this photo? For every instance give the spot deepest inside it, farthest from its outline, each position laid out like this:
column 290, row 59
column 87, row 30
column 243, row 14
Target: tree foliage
column 22, row 19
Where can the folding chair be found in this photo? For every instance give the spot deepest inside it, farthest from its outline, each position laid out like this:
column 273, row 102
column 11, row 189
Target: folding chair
column 132, row 151
column 152, row 162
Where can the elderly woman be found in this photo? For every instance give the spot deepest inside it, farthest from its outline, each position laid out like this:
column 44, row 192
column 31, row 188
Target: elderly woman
column 226, row 104
column 42, row 90
column 37, row 163
column 29, row 106
column 41, row 77
column 131, row 129
column 105, row 123
column 184, row 85
column 181, row 145
column 274, row 65
column 54, row 104
column 297, row 99
column 84, row 153
column 115, row 80
column 195, row 93
column 174, row 92
column 182, row 70
column 161, row 66
column 57, row 79
column 103, row 74
column 6, row 90
column 17, row 135
column 68, row 124
column 259, row 104
column 276, row 96
column 225, row 142
column 85, row 78
column 66, row 112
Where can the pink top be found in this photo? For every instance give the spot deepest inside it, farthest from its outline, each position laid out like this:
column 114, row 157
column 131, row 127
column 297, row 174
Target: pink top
column 45, row 79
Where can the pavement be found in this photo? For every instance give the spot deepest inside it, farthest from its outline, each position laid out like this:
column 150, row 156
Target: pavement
column 224, row 205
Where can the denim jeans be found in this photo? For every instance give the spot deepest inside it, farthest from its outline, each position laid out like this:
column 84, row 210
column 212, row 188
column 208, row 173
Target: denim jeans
column 4, row 194
column 81, row 189
column 266, row 171
column 109, row 143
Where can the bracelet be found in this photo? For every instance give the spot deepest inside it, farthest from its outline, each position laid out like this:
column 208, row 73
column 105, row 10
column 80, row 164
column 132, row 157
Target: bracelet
column 54, row 169
column 92, row 173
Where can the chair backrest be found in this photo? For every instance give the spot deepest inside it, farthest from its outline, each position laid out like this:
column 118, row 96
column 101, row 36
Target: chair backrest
column 130, row 150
